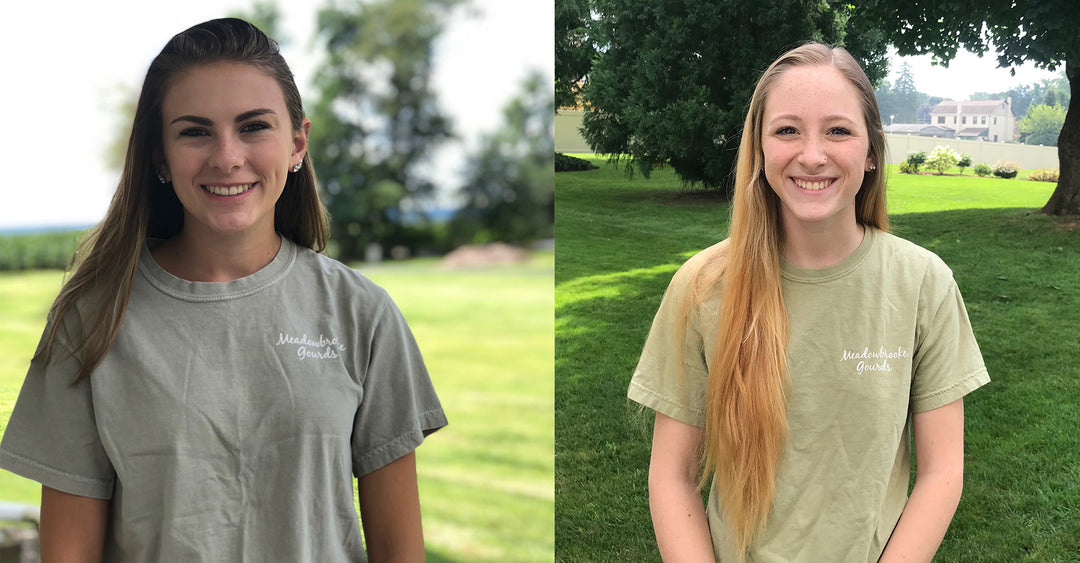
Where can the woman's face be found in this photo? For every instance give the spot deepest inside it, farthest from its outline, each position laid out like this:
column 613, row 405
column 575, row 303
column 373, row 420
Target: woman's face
column 228, row 145
column 816, row 147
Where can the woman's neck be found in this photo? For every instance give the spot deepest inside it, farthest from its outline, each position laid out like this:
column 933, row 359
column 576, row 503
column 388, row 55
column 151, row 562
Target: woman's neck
column 814, row 247
column 216, row 258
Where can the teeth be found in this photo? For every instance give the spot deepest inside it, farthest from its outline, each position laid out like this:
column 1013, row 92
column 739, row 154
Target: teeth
column 812, row 186
column 228, row 190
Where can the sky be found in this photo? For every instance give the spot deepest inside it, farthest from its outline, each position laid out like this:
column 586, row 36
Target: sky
column 965, row 75
column 67, row 69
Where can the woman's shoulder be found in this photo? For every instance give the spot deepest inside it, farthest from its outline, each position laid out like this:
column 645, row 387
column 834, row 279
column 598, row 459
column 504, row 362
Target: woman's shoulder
column 914, row 262
column 320, row 270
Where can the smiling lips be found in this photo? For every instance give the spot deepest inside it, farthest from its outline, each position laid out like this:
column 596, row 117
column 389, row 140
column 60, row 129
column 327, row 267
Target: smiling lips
column 812, row 185
column 228, row 190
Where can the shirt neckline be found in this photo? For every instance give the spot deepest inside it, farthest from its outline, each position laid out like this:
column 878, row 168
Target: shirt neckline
column 791, row 272
column 216, row 291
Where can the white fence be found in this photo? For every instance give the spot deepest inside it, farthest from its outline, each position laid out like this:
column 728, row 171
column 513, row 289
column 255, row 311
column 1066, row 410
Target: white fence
column 568, row 139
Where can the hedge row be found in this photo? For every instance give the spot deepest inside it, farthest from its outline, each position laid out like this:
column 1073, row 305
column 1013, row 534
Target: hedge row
column 38, row 251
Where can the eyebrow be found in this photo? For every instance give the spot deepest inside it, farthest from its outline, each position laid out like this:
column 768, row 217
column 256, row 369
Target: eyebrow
column 793, row 117
column 240, row 118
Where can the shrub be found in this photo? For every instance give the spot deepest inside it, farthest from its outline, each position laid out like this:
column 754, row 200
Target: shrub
column 982, row 169
column 565, row 163
column 908, row 168
column 1044, row 175
column 1006, row 169
column 964, row 162
column 916, row 159
column 942, row 158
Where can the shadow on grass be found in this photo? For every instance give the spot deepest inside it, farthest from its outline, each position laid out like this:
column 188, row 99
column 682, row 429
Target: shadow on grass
column 1019, row 273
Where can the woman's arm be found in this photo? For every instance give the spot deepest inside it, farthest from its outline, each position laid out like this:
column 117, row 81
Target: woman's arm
column 939, row 479
column 390, row 510
column 72, row 527
column 678, row 515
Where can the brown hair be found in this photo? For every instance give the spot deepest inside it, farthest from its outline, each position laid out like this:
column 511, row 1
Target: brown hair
column 745, row 405
column 107, row 259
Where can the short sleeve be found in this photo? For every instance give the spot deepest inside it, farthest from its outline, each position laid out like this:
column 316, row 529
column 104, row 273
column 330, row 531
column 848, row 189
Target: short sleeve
column 672, row 372
column 52, row 436
column 947, row 363
column 399, row 406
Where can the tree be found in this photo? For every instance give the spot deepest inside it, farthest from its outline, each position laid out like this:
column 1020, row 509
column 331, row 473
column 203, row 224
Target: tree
column 377, row 119
column 1042, row 32
column 575, row 49
column 509, row 185
column 672, row 85
column 906, row 96
column 1042, row 125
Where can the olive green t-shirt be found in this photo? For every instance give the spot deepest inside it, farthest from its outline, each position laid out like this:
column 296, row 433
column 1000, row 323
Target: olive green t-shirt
column 873, row 339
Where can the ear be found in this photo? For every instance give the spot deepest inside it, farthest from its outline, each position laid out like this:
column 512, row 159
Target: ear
column 870, row 164
column 160, row 166
column 300, row 142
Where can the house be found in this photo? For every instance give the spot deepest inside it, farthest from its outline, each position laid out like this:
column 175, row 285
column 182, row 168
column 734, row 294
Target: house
column 987, row 120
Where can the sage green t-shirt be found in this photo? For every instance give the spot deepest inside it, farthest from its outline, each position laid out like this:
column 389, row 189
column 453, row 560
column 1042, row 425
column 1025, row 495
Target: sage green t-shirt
column 227, row 421
column 873, row 339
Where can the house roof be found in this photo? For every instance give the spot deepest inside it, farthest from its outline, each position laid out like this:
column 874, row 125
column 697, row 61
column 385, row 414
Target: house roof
column 978, row 106
column 910, row 128
column 973, row 132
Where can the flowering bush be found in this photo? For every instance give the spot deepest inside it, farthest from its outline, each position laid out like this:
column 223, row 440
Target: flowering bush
column 1006, row 169
column 982, row 169
column 942, row 158
column 1044, row 175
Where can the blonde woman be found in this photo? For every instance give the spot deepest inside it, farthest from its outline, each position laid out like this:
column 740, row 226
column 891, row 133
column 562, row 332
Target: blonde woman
column 209, row 385
column 793, row 359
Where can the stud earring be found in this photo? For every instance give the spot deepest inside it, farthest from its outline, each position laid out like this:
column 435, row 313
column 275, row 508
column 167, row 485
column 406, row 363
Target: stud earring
column 298, row 166
column 161, row 178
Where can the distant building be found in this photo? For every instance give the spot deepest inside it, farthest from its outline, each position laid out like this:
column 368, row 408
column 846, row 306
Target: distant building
column 987, row 120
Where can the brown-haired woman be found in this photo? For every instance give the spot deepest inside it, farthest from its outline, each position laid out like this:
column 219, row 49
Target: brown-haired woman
column 208, row 384
column 792, row 357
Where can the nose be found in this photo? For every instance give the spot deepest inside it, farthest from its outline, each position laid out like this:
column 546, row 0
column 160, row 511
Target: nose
column 227, row 154
column 813, row 154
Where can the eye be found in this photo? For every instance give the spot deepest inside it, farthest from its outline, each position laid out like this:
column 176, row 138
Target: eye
column 785, row 131
column 254, row 126
column 194, row 132
column 840, row 131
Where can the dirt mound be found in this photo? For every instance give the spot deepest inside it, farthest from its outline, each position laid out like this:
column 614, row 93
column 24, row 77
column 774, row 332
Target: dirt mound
column 478, row 256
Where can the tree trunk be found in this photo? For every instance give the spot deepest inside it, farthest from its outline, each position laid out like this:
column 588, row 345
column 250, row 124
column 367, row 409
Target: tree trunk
column 1066, row 197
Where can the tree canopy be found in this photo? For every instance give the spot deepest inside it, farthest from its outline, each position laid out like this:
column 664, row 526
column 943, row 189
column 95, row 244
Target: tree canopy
column 1042, row 124
column 377, row 119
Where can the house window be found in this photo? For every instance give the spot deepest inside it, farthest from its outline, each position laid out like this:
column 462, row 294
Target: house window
column 963, row 120
column 983, row 120
column 995, row 121
column 941, row 119
column 954, row 120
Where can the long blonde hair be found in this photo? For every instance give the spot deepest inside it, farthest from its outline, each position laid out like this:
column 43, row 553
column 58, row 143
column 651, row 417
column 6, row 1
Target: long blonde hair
column 746, row 405
column 106, row 261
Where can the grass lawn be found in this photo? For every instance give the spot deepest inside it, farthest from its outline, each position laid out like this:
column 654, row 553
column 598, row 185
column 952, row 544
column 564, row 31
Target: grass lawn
column 619, row 242
column 486, row 479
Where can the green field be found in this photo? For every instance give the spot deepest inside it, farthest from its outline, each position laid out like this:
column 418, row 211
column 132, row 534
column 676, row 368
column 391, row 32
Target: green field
column 619, row 242
column 485, row 480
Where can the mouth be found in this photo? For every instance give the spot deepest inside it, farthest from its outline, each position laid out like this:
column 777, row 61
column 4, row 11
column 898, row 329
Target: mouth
column 227, row 191
column 813, row 185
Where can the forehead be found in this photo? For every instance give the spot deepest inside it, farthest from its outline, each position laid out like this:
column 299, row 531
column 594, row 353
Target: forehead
column 816, row 90
column 222, row 88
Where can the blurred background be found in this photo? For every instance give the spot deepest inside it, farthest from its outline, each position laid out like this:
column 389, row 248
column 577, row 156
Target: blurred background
column 432, row 138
